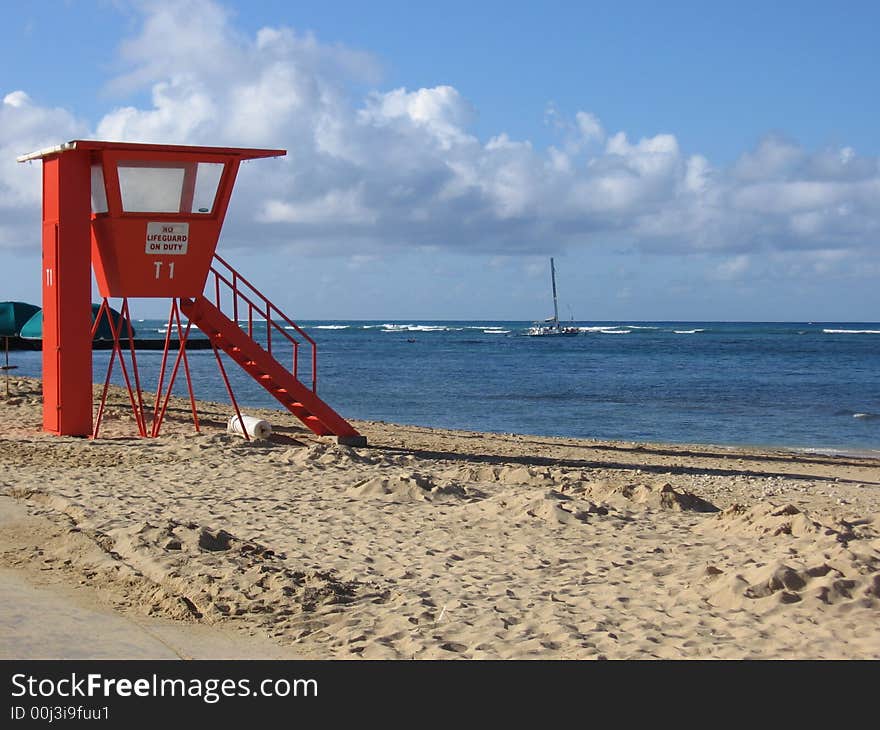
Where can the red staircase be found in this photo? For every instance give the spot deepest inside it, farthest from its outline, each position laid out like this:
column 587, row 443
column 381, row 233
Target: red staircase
column 256, row 357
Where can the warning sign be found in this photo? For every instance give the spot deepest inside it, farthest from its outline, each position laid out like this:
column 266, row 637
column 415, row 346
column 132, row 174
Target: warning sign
column 167, row 238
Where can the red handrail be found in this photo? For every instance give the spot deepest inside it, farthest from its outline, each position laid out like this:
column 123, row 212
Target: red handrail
column 234, row 283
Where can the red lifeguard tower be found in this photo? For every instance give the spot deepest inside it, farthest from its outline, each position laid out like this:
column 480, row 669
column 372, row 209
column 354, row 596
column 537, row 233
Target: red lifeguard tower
column 148, row 218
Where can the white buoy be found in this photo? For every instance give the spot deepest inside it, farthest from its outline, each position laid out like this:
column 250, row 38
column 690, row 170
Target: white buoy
column 256, row 428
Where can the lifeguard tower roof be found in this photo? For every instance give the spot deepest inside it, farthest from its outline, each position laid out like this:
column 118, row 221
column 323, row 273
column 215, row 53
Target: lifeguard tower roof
column 242, row 153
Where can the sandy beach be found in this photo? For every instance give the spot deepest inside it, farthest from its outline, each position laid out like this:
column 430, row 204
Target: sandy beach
column 435, row 544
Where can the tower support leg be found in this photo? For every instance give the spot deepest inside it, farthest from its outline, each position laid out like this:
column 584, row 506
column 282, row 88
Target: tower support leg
column 67, row 293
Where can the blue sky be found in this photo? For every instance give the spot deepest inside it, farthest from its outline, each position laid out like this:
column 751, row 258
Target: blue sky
column 681, row 160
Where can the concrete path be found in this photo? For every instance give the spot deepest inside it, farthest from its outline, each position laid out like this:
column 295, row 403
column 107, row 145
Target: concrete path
column 39, row 623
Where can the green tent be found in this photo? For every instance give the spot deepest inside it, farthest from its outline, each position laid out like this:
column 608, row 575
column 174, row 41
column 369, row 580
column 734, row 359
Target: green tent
column 14, row 315
column 33, row 328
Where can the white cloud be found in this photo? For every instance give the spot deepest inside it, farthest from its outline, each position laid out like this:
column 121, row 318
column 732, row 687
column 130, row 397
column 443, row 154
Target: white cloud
column 26, row 127
column 791, row 197
column 589, row 127
column 440, row 112
column 336, row 206
column 17, row 99
column 733, row 268
column 773, row 158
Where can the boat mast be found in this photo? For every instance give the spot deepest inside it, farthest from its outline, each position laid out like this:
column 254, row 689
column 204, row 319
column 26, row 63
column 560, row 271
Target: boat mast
column 553, row 279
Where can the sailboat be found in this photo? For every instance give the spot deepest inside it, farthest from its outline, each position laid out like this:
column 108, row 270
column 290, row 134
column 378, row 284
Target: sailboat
column 551, row 326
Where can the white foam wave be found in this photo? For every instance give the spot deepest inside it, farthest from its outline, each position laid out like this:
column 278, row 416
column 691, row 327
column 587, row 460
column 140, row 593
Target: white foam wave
column 419, row 328
column 329, row 327
column 606, row 330
column 687, row 332
column 831, row 451
column 851, row 332
column 496, row 332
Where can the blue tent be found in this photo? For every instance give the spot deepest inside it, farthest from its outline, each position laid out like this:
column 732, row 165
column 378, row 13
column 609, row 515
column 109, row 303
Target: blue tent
column 33, row 328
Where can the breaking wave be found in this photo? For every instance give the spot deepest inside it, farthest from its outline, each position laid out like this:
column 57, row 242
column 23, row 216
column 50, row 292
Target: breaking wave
column 851, row 332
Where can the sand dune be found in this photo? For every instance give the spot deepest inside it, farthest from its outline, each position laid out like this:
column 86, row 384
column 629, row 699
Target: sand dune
column 443, row 544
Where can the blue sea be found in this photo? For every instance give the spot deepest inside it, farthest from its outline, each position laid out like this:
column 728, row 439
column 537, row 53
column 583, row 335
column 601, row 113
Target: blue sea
column 794, row 384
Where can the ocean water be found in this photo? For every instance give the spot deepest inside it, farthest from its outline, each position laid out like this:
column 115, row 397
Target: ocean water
column 795, row 384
